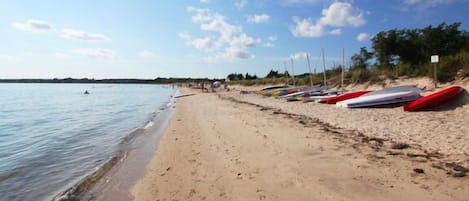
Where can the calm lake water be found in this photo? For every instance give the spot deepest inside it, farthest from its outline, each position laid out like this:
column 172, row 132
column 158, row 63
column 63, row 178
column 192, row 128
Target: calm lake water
column 52, row 135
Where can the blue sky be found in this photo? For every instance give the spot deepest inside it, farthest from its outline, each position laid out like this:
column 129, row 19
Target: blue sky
column 198, row 38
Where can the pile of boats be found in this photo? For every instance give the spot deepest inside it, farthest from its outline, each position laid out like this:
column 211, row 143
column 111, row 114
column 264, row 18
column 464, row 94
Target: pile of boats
column 409, row 95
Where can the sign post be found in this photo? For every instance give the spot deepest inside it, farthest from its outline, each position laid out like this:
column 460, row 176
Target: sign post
column 434, row 59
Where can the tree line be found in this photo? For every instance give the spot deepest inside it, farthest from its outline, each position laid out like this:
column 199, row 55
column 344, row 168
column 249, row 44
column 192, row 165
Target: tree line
column 412, row 47
column 394, row 53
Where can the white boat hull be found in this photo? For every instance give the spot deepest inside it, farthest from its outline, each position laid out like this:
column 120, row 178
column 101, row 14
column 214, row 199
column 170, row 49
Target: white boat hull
column 380, row 98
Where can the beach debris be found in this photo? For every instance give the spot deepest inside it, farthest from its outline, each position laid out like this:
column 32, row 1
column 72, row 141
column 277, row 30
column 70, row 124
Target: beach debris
column 458, row 174
column 376, row 139
column 437, row 166
column 400, row 146
column 184, row 95
column 457, row 167
column 393, row 153
column 414, row 155
column 419, row 170
column 456, row 170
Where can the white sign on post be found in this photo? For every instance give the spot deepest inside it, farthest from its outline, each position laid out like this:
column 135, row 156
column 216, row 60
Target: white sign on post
column 434, row 59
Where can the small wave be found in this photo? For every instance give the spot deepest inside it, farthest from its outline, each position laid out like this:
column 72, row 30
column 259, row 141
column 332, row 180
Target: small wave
column 86, row 183
column 149, row 124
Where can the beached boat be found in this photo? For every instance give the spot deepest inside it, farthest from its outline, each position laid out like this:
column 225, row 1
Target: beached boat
column 268, row 90
column 383, row 97
column 304, row 92
column 319, row 99
column 434, row 99
column 291, row 91
column 274, row 91
column 304, row 96
column 346, row 96
column 274, row 87
column 322, row 95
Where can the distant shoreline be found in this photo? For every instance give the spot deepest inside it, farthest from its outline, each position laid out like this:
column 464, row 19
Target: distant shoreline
column 109, row 81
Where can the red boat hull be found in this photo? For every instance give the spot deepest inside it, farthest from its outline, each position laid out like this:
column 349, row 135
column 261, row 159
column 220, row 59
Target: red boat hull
column 434, row 99
column 346, row 96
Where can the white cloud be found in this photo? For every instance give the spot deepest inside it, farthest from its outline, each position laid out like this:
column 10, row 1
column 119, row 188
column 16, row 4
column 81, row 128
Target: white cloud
column 257, row 19
column 410, row 5
column 204, row 1
column 306, row 28
column 301, row 2
column 98, row 53
column 225, row 42
column 336, row 32
column 363, row 37
column 240, row 3
column 205, row 43
column 5, row 57
column 230, row 54
column 268, row 44
column 341, row 14
column 35, row 26
column 145, row 54
column 272, row 38
column 298, row 56
column 338, row 14
column 429, row 2
column 411, row 2
column 61, row 55
column 81, row 35
column 184, row 36
column 243, row 40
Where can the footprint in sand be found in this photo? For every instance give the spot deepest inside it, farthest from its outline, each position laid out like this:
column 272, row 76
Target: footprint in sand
column 192, row 193
column 262, row 196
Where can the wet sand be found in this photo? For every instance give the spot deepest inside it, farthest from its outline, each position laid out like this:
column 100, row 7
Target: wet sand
column 113, row 180
column 229, row 146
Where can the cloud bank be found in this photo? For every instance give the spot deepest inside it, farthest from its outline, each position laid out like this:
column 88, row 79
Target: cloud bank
column 337, row 15
column 96, row 53
column 223, row 41
column 258, row 19
column 34, row 26
column 81, row 35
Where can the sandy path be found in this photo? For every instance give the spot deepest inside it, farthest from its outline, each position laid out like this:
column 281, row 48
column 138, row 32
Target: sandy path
column 217, row 149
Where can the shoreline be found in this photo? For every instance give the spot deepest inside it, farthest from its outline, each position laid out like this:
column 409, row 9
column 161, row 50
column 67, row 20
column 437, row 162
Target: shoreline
column 220, row 149
column 113, row 179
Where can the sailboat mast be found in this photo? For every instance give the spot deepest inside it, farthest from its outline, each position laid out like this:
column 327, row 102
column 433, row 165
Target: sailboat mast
column 286, row 76
column 343, row 69
column 292, row 71
column 310, row 73
column 324, row 68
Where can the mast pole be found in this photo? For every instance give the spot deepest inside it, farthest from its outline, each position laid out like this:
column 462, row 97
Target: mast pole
column 293, row 71
column 343, row 69
column 324, row 68
column 286, row 76
column 310, row 73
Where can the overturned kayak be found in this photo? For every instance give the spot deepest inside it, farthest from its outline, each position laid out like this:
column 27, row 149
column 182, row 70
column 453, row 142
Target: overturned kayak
column 346, row 96
column 434, row 99
column 319, row 99
column 322, row 96
column 274, row 91
column 305, row 92
column 383, row 97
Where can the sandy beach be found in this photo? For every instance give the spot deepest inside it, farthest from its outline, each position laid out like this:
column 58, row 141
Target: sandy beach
column 232, row 146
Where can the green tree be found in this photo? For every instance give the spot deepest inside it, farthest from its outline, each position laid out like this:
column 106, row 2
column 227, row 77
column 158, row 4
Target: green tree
column 360, row 61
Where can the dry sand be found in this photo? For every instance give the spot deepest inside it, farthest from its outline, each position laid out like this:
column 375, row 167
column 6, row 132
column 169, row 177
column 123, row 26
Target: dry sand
column 229, row 146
